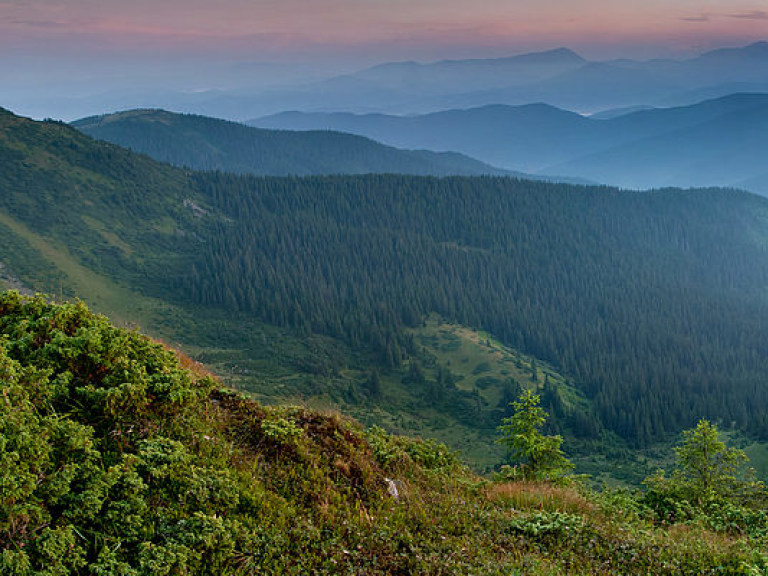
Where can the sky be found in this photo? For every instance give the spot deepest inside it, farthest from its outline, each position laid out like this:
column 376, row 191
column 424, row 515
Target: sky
column 295, row 29
column 80, row 46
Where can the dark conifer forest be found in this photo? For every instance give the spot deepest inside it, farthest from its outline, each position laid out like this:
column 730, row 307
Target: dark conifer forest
column 653, row 304
column 653, row 301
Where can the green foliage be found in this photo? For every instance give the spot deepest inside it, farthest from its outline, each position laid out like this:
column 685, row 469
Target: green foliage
column 85, row 465
column 705, row 464
column 709, row 486
column 280, row 429
column 429, row 454
column 706, row 468
column 171, row 475
column 534, row 455
column 541, row 523
column 385, row 448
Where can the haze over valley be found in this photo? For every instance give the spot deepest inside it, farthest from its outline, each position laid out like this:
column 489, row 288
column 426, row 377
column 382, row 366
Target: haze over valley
column 547, row 115
column 717, row 142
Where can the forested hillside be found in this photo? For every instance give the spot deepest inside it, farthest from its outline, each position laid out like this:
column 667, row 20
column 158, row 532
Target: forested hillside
column 651, row 305
column 653, row 302
column 211, row 144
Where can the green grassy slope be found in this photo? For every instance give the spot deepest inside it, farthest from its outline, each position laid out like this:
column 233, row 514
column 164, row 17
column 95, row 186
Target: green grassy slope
column 106, row 257
column 95, row 200
column 116, row 460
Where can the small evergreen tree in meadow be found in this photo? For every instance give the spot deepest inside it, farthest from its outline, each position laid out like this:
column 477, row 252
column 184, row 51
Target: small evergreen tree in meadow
column 708, row 480
column 705, row 464
column 533, row 455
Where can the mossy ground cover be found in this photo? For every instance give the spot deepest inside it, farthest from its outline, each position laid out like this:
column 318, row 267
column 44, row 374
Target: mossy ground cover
column 116, row 459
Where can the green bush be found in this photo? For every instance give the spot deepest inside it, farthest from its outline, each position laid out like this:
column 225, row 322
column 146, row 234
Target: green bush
column 280, row 430
column 115, row 461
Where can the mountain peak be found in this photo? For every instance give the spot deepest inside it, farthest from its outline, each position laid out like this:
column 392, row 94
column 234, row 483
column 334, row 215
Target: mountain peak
column 761, row 45
column 561, row 55
column 561, row 52
column 754, row 50
column 121, row 115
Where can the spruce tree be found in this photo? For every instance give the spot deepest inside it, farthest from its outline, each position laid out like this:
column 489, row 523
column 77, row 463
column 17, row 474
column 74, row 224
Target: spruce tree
column 533, row 455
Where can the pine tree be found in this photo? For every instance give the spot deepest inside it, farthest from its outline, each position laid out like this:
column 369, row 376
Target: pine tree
column 533, row 455
column 374, row 384
column 704, row 462
column 706, row 471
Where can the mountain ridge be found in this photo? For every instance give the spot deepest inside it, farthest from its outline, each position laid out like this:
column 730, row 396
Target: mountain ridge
column 566, row 81
column 422, row 87
column 543, row 139
column 211, row 144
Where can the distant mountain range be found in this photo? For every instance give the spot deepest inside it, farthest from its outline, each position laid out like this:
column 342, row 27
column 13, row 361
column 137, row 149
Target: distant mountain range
column 718, row 142
column 210, row 144
column 557, row 77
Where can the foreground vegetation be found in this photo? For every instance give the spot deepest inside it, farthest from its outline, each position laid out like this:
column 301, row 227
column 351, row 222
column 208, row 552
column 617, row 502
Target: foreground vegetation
column 118, row 457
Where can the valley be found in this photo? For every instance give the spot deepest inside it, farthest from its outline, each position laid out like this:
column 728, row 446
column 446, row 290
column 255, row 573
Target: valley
column 258, row 278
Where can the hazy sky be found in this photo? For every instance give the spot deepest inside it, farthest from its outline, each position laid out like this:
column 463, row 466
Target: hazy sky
column 87, row 45
column 295, row 29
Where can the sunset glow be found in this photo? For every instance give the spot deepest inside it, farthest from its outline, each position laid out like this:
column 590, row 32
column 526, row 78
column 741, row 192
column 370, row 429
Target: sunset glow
column 377, row 27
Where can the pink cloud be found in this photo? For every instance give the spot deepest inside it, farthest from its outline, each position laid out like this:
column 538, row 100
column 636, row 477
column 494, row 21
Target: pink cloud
column 701, row 18
column 753, row 15
column 334, row 26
